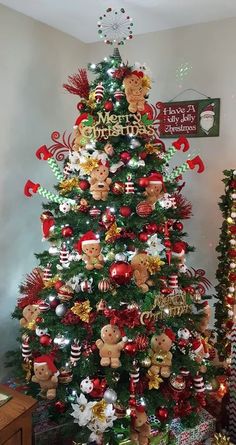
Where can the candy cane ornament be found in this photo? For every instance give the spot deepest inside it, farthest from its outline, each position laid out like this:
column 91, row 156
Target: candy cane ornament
column 31, row 187
column 44, row 154
column 181, row 144
column 195, row 163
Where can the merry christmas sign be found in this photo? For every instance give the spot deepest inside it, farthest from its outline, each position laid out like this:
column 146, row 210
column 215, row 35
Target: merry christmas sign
column 196, row 118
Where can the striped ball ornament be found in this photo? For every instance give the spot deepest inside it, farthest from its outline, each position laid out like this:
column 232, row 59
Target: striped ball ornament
column 104, row 285
column 99, row 92
column 144, row 209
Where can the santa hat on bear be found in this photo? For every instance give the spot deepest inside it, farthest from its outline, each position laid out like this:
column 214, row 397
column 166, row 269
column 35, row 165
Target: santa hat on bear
column 46, row 360
column 170, row 334
column 88, row 238
column 208, row 110
column 81, row 118
column 179, row 249
column 156, row 178
column 137, row 73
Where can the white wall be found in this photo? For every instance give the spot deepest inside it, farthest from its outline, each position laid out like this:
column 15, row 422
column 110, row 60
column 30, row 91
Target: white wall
column 35, row 61
column 210, row 50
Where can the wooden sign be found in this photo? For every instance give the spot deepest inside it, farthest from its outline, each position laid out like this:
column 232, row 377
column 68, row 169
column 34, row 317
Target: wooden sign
column 196, row 118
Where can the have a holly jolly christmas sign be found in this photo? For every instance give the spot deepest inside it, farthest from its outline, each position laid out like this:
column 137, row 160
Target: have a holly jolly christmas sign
column 196, row 118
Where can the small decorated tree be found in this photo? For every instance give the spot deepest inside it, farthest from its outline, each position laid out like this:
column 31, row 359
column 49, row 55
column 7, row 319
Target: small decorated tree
column 112, row 319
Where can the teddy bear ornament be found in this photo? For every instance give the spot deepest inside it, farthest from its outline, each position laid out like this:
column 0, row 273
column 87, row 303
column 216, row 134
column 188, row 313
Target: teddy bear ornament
column 89, row 247
column 46, row 374
column 136, row 88
column 110, row 346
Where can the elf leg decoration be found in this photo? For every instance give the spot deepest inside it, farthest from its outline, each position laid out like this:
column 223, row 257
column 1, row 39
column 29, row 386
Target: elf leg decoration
column 31, row 187
column 195, row 163
column 44, row 154
column 181, row 144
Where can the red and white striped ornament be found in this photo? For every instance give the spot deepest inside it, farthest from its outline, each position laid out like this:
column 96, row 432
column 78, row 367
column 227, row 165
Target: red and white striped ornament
column 198, row 383
column 64, row 255
column 95, row 212
column 118, row 95
column 44, row 306
column 86, row 286
column 26, row 349
column 104, row 285
column 99, row 92
column 173, row 281
column 75, row 351
column 134, row 373
column 143, row 209
column 67, row 170
column 47, row 274
column 129, row 187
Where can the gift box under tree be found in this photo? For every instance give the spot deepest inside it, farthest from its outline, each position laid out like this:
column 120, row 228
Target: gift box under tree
column 192, row 436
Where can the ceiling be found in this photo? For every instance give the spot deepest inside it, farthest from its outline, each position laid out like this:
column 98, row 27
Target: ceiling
column 79, row 18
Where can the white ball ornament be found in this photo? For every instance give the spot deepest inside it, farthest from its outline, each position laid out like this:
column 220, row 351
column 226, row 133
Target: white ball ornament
column 234, row 172
column 232, row 265
column 60, row 310
column 233, row 215
column 233, row 195
column 86, row 385
column 40, row 331
column 65, row 207
column 110, row 395
column 184, row 333
column 231, row 289
column 232, row 242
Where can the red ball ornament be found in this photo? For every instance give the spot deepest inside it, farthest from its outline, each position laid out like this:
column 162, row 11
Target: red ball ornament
column 143, row 237
column 121, row 272
column 118, row 188
column 67, row 231
column 108, row 106
column 45, row 340
column 144, row 209
column 125, row 157
column 167, row 243
column 130, row 348
column 125, row 211
column 54, row 303
column 143, row 182
column 143, row 156
column 151, row 228
column 99, row 387
column 39, row 320
column 58, row 284
column 59, row 406
column 81, row 106
column 178, row 226
column 162, row 413
column 84, row 184
column 232, row 253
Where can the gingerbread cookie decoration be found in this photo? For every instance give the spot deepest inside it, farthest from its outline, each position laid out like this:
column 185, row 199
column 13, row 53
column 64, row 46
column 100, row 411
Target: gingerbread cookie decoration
column 136, row 88
column 89, row 247
column 110, row 346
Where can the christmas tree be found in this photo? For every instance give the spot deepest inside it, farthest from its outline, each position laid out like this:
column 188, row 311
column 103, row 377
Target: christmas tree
column 112, row 319
column 225, row 274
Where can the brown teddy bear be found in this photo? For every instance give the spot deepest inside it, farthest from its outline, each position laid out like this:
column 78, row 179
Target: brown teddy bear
column 82, row 132
column 161, row 356
column 139, row 264
column 140, row 428
column 155, row 188
column 110, row 346
column 45, row 373
column 99, row 182
column 89, row 246
column 30, row 313
column 135, row 90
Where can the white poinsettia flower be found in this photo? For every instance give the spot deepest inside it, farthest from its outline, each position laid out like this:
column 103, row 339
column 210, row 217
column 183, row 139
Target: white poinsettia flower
column 82, row 410
column 154, row 245
column 102, row 418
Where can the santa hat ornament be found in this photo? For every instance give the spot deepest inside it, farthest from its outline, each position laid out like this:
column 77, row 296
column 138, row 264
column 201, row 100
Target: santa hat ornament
column 156, row 178
column 46, row 360
column 80, row 119
column 88, row 238
column 170, row 334
column 179, row 249
column 208, row 110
